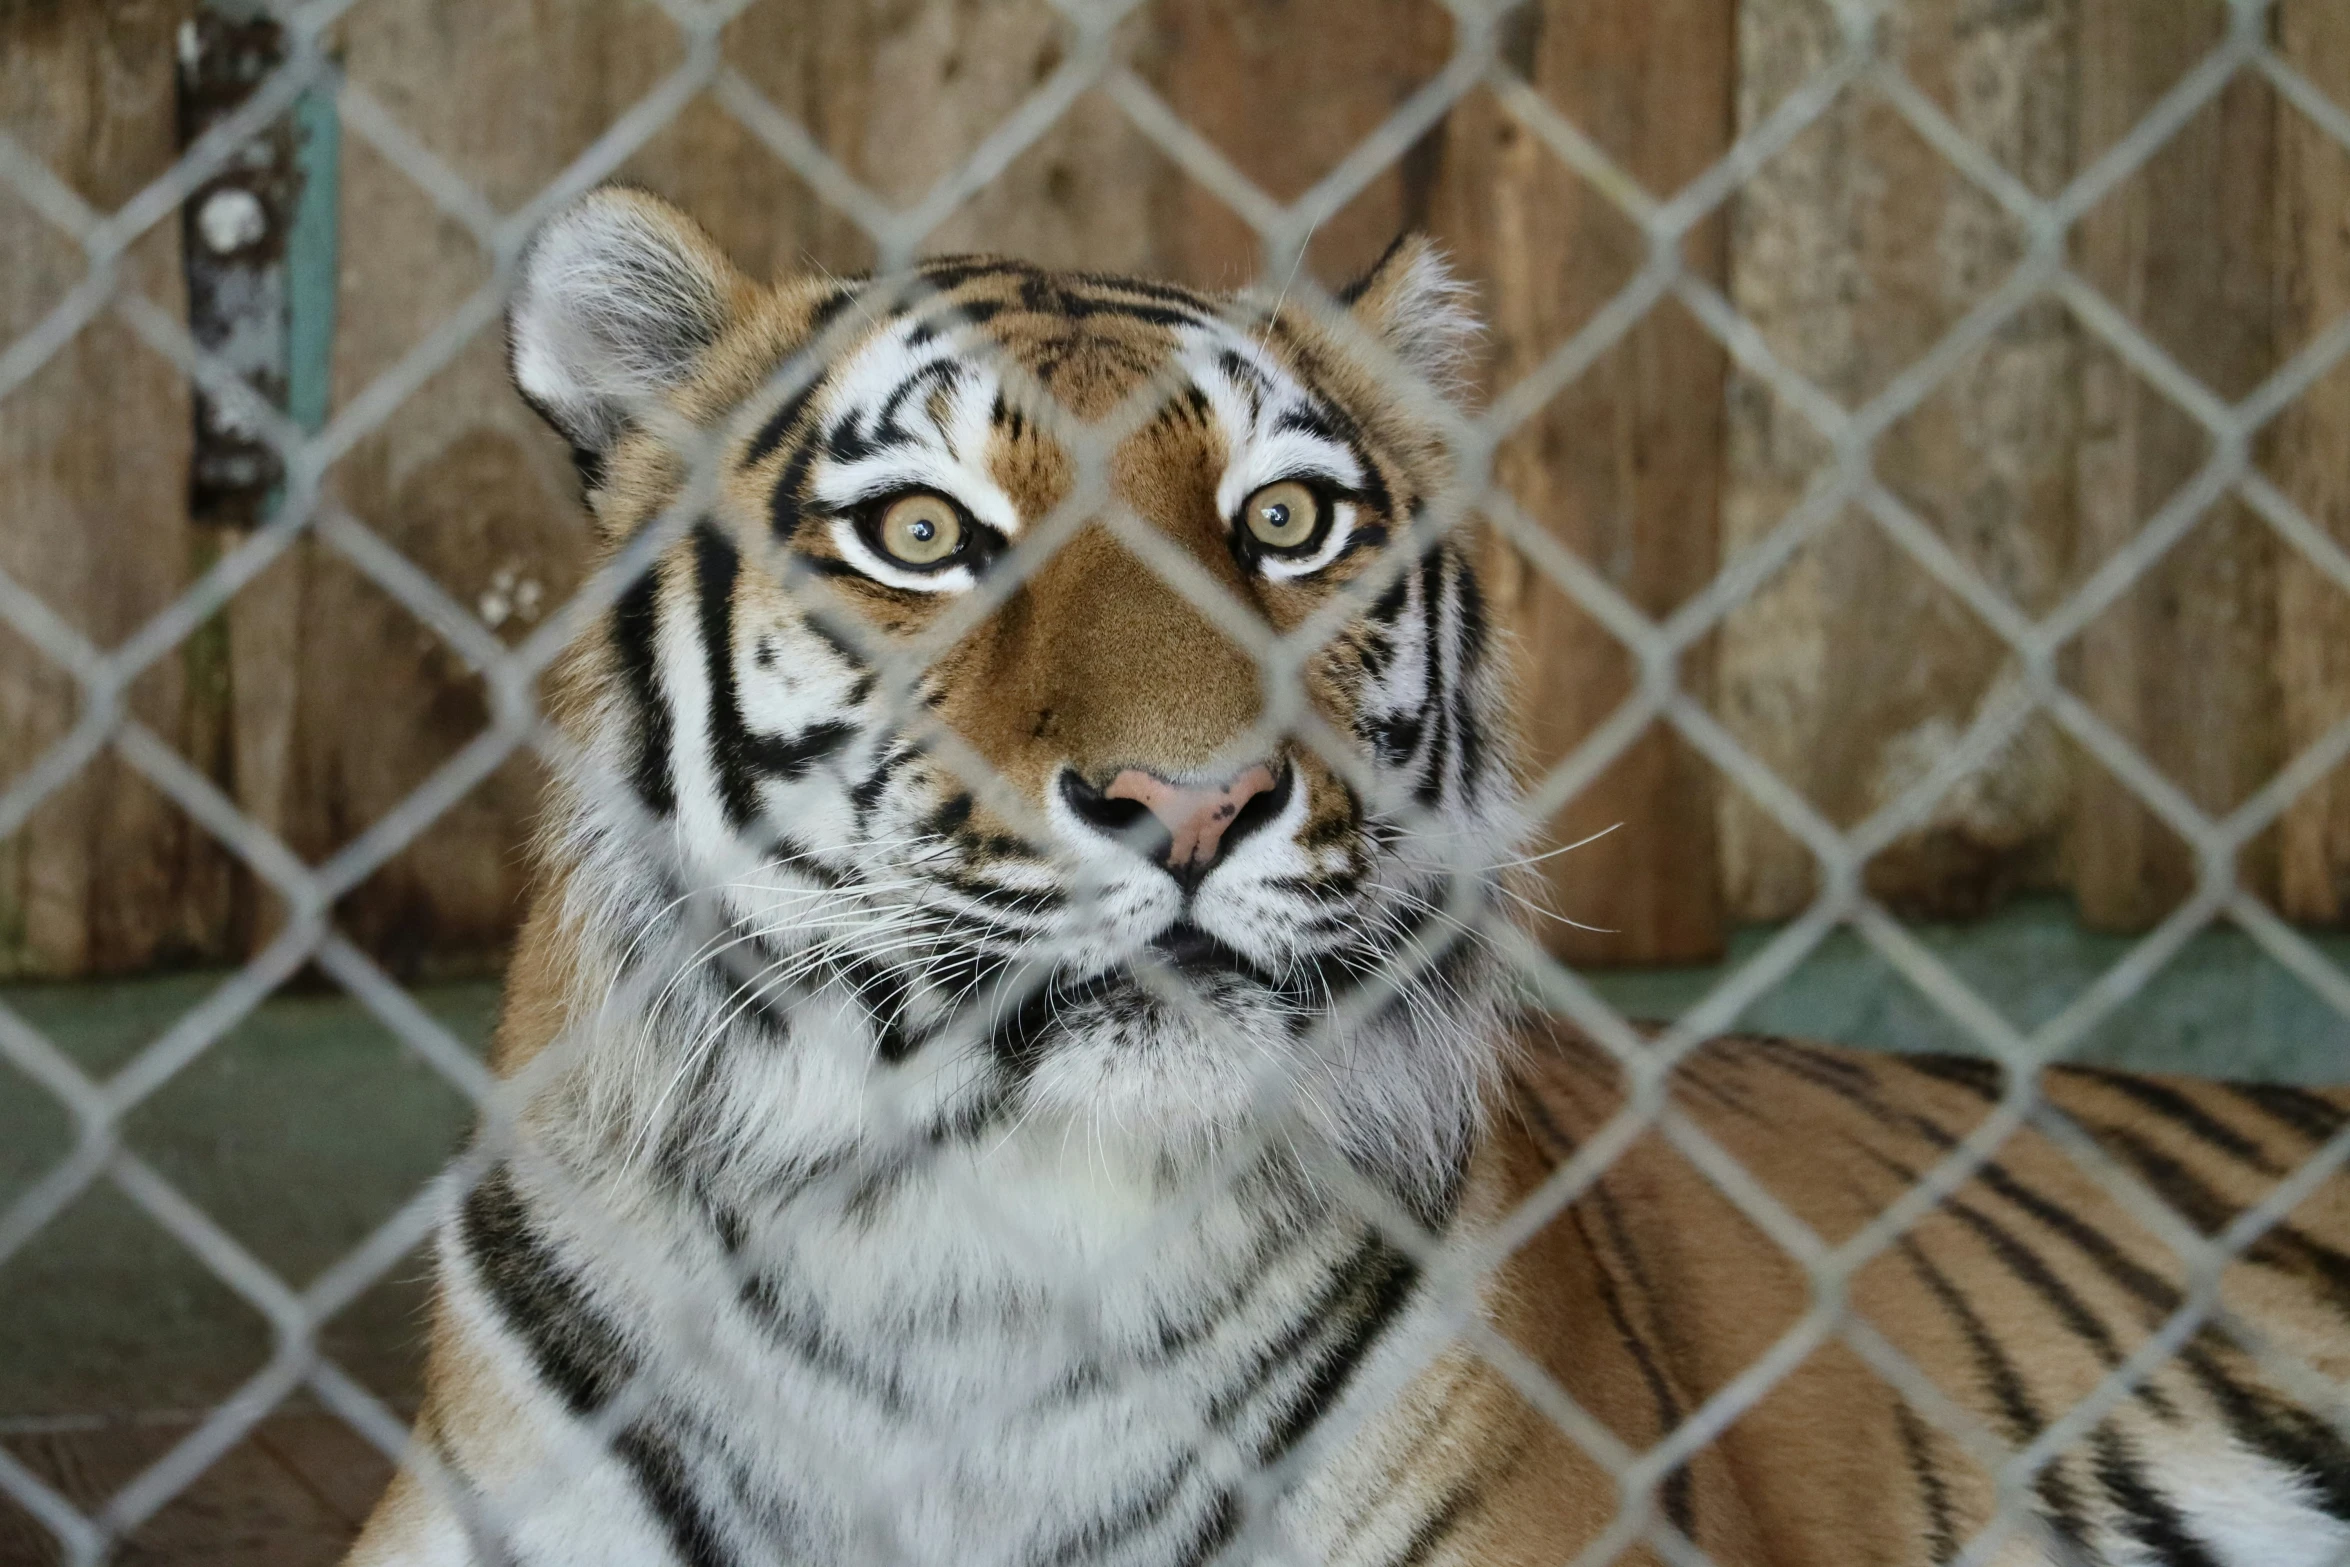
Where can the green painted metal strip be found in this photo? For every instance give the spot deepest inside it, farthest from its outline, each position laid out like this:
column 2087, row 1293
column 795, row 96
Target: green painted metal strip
column 312, row 259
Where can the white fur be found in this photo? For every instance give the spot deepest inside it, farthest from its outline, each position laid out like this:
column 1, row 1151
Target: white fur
column 2245, row 1508
column 1430, row 322
column 608, row 314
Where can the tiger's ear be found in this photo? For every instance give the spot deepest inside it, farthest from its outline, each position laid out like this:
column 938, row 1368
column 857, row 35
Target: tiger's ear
column 620, row 294
column 1412, row 301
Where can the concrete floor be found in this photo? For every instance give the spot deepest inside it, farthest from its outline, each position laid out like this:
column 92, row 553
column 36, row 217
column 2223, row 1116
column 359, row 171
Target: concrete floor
column 299, row 1133
column 309, row 1124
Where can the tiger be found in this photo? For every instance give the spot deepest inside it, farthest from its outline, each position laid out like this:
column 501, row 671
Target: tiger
column 1021, row 1049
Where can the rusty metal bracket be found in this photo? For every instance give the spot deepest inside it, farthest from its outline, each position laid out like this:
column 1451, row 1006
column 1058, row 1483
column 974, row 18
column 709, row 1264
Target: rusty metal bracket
column 258, row 242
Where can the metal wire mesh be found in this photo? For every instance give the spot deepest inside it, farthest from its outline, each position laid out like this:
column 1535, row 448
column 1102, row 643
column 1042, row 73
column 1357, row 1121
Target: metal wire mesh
column 512, row 674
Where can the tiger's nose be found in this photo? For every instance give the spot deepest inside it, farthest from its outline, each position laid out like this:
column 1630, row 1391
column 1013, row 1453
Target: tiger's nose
column 1189, row 826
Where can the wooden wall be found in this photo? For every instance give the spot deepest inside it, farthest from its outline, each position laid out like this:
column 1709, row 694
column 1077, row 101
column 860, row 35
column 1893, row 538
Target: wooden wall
column 105, row 875
column 318, row 702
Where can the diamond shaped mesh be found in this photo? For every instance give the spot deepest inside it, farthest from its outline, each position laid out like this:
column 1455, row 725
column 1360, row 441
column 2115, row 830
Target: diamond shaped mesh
column 1088, row 60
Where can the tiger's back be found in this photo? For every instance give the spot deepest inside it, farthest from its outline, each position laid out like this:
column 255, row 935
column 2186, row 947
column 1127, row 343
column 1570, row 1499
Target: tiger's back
column 2027, row 1289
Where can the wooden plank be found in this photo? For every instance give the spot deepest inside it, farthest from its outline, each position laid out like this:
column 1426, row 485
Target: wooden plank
column 1850, row 672
column 1081, row 195
column 1285, row 92
column 293, row 1493
column 2311, row 459
column 2183, row 664
column 346, row 702
column 107, row 875
column 1624, row 466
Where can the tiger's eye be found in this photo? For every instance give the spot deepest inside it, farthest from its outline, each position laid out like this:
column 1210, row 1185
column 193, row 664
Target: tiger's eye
column 1282, row 516
column 920, row 530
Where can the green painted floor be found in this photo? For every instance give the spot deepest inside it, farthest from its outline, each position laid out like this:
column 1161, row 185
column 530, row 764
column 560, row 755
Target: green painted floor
column 310, row 1124
column 299, row 1132
column 2221, row 1008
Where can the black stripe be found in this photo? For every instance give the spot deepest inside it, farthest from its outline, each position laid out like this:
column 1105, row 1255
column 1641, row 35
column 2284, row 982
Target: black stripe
column 1679, row 1506
column 808, row 1338
column 789, row 757
column 945, row 272
column 1245, row 376
column 716, row 566
column 1098, row 1536
column 660, row 1470
column 684, row 1134
column 1436, row 1527
column 1999, row 1375
column 636, row 625
column 952, row 815
column 1306, row 419
column 2020, row 1260
column 1148, row 288
column 784, row 513
column 866, row 793
column 579, row 1353
column 739, row 757
column 1013, row 900
column 1429, row 788
column 1215, row 1531
column 1387, row 608
column 1469, row 608
column 1016, row 1034
column 2033, row 1270
column 2283, row 1433
column 2287, row 1435
column 1983, row 1078
column 1320, row 1317
column 2061, row 1504
column 2175, row 1107
column 576, row 1350
column 940, row 374
column 1545, row 1125
column 1355, row 290
column 954, row 270
column 780, row 423
column 1846, row 1075
column 1384, row 1290
column 1273, row 1245
column 2312, row 1115
column 588, row 463
column 881, row 993
column 2284, row 1247
column 2146, row 1514
column 1933, row 1489
column 1077, row 307
column 788, row 853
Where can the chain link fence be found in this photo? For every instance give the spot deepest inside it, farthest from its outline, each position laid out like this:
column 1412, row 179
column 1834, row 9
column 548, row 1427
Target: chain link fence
column 1089, row 60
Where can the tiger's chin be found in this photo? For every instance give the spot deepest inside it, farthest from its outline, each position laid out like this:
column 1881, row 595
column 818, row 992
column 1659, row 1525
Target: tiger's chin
column 1193, row 1054
column 1182, row 1064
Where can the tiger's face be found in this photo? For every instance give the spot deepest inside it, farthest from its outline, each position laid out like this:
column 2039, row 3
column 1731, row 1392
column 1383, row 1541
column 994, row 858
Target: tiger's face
column 1053, row 681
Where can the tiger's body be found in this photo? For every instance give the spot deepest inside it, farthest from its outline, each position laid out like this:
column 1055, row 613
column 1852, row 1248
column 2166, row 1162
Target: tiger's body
column 1048, row 1104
